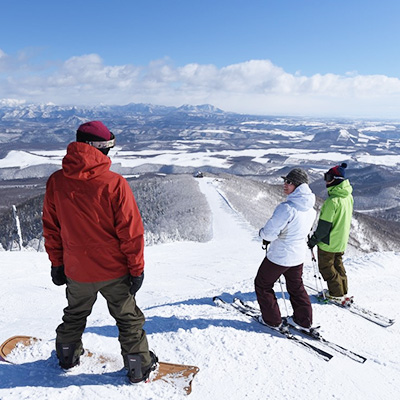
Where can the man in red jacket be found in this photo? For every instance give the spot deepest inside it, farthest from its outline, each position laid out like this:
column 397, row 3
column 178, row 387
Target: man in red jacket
column 94, row 239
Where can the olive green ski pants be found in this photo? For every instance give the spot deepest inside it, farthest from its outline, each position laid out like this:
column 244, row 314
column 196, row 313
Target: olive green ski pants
column 121, row 305
column 332, row 270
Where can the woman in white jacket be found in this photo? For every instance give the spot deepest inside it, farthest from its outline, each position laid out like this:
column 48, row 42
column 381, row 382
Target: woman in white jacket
column 286, row 233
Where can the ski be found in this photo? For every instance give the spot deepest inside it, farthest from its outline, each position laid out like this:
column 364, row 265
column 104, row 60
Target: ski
column 313, row 334
column 233, row 306
column 355, row 309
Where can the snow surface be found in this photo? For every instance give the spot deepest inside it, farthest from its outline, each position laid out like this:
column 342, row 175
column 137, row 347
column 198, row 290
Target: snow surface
column 238, row 358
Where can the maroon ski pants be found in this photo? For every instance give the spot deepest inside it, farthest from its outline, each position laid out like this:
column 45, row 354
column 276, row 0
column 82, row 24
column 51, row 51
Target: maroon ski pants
column 267, row 275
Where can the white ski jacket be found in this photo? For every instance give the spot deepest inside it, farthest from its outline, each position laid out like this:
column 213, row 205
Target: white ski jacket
column 289, row 226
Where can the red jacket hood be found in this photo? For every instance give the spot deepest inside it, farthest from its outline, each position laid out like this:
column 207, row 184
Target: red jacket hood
column 84, row 162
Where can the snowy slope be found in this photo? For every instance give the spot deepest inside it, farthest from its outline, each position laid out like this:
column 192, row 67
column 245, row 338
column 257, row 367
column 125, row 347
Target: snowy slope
column 238, row 358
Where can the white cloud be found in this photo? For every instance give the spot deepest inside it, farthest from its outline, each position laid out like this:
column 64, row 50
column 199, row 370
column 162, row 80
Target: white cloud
column 255, row 86
column 4, row 62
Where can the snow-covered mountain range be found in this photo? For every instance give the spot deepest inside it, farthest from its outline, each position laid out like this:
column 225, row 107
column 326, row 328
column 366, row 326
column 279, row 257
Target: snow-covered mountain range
column 154, row 140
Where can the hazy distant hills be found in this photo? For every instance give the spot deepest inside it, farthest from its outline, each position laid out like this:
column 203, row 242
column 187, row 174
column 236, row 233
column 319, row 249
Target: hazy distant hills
column 135, row 123
column 50, row 125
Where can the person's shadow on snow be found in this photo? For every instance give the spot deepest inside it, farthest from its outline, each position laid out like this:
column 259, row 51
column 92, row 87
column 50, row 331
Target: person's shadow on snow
column 173, row 323
column 47, row 373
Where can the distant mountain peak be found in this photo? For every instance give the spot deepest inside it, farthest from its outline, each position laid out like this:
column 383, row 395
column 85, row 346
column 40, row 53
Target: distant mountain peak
column 199, row 108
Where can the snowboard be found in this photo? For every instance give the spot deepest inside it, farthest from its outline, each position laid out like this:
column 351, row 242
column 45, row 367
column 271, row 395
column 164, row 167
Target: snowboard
column 178, row 375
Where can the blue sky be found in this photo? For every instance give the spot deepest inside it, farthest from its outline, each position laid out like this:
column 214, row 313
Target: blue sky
column 284, row 57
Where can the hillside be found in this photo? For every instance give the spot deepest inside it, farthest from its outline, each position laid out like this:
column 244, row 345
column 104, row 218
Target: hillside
column 256, row 201
column 173, row 209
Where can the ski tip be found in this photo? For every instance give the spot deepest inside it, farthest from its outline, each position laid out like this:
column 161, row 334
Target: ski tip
column 217, row 299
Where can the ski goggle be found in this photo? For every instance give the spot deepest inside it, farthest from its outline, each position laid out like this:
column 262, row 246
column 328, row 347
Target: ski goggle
column 103, row 144
column 288, row 182
column 328, row 177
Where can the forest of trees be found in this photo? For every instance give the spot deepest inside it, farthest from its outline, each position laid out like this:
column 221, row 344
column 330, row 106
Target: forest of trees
column 172, row 208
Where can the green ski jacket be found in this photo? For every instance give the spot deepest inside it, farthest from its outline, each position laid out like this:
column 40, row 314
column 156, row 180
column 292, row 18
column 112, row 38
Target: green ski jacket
column 333, row 230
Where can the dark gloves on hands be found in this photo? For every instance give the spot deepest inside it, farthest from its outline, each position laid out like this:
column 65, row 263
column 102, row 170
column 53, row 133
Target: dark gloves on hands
column 311, row 242
column 58, row 276
column 136, row 283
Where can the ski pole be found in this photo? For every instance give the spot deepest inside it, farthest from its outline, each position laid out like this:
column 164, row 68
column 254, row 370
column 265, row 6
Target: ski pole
column 284, row 297
column 317, row 275
column 313, row 259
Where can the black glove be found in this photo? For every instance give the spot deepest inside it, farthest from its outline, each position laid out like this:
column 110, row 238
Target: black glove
column 58, row 276
column 136, row 283
column 265, row 244
column 311, row 242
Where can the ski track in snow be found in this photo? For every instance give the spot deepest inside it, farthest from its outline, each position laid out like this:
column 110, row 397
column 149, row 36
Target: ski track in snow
column 238, row 358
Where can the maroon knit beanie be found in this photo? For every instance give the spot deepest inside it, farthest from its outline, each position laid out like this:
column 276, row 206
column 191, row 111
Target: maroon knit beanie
column 94, row 130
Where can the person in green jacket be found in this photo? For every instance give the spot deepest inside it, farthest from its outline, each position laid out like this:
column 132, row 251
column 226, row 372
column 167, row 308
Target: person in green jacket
column 333, row 230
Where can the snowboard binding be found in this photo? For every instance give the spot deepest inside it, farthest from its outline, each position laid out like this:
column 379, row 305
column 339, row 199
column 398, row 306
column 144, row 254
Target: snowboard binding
column 136, row 373
column 68, row 354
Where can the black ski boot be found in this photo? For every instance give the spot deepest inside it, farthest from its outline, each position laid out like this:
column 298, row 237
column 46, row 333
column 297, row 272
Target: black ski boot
column 69, row 354
column 136, row 372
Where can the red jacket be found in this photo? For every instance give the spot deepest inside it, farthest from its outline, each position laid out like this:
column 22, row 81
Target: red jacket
column 91, row 222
